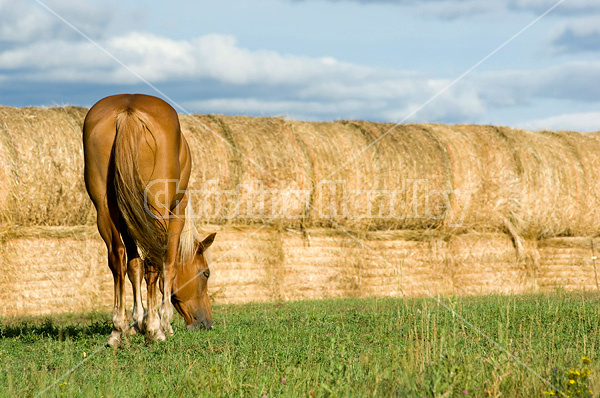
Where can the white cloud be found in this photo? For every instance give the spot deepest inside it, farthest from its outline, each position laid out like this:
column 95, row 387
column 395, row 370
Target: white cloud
column 23, row 22
column 161, row 59
column 299, row 110
column 584, row 122
column 220, row 57
column 20, row 23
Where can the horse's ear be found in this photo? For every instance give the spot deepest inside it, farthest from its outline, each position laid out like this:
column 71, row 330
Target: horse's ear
column 208, row 241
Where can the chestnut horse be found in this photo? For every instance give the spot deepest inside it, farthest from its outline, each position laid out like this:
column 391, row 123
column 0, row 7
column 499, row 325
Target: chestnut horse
column 137, row 168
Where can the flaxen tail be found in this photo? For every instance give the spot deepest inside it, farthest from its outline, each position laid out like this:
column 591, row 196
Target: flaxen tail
column 142, row 224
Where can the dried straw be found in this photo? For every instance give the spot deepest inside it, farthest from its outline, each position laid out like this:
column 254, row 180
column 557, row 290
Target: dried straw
column 434, row 208
column 304, row 175
column 67, row 270
column 42, row 167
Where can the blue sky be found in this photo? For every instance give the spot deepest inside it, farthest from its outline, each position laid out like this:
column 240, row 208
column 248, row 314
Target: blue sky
column 314, row 59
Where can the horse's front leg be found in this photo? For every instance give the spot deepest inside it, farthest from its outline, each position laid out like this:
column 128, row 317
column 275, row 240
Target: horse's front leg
column 135, row 272
column 152, row 325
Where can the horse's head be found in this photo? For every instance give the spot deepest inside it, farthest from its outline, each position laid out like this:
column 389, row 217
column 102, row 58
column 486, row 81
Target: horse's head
column 190, row 296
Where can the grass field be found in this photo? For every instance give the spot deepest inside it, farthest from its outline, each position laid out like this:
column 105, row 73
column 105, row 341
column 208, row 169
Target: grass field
column 353, row 347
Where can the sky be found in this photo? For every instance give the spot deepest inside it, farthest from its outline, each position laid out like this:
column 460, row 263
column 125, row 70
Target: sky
column 531, row 64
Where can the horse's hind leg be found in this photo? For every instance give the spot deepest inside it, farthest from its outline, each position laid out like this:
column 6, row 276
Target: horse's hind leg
column 116, row 262
column 135, row 272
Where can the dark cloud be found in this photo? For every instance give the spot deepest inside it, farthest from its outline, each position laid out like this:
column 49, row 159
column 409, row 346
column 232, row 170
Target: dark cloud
column 573, row 82
column 570, row 40
column 567, row 7
column 450, row 9
column 568, row 82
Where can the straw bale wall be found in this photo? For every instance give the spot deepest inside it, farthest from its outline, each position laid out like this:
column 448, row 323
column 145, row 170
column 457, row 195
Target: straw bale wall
column 459, row 209
column 47, row 270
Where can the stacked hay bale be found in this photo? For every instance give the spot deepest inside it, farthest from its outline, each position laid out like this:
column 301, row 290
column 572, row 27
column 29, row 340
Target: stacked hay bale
column 42, row 167
column 307, row 210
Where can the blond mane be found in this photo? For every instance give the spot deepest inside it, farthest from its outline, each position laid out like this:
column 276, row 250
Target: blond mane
column 190, row 237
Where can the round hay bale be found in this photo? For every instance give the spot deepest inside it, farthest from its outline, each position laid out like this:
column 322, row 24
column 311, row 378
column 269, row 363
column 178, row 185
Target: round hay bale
column 355, row 174
column 582, row 210
column 43, row 156
column 546, row 184
column 482, row 177
column 265, row 177
column 8, row 176
column 417, row 174
column 212, row 171
column 338, row 195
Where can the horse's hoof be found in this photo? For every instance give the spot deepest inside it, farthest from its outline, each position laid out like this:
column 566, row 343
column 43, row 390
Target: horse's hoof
column 131, row 331
column 138, row 327
column 155, row 336
column 169, row 329
column 115, row 340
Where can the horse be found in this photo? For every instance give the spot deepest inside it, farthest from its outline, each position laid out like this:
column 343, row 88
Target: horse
column 137, row 169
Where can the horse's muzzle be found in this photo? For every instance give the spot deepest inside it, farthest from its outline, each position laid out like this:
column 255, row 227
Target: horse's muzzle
column 200, row 325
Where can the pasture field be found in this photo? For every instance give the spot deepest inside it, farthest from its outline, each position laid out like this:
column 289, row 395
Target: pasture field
column 346, row 347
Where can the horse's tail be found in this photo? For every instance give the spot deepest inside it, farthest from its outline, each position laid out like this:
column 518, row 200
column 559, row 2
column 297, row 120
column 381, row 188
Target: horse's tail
column 142, row 224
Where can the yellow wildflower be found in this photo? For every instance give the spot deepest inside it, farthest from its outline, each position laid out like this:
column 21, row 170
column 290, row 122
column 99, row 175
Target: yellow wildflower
column 585, row 360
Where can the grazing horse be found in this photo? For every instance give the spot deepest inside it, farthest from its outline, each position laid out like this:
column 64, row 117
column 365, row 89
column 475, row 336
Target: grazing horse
column 137, row 168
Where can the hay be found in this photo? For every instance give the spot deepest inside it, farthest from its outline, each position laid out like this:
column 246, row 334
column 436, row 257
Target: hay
column 252, row 170
column 427, row 209
column 47, row 270
column 41, row 275
column 42, row 167
column 386, row 264
column 302, row 175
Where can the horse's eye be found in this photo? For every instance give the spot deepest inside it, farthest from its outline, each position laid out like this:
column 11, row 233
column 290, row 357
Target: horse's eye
column 206, row 273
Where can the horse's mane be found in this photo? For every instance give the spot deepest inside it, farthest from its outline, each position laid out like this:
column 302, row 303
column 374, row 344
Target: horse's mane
column 190, row 237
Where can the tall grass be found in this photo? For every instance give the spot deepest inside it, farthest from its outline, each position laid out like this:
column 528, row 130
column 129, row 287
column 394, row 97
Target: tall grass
column 357, row 347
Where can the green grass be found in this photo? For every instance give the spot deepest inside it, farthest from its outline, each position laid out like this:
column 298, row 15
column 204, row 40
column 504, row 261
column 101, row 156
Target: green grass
column 354, row 347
